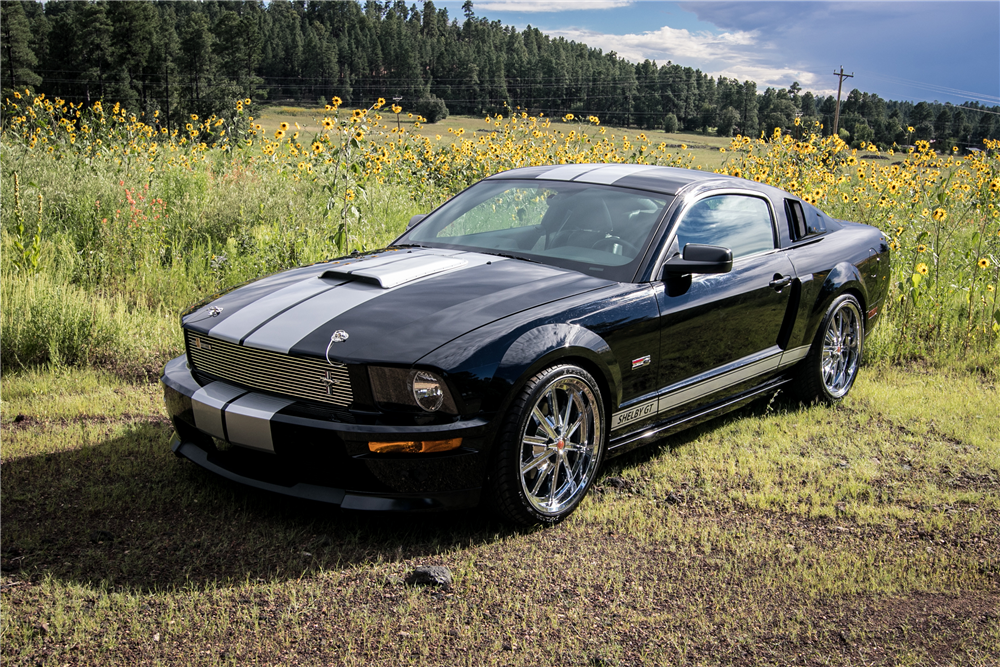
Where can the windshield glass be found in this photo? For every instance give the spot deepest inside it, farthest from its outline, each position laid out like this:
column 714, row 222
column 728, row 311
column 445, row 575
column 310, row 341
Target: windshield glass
column 595, row 229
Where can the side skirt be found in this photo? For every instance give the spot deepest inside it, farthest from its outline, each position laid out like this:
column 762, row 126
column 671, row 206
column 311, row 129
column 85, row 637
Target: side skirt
column 630, row 441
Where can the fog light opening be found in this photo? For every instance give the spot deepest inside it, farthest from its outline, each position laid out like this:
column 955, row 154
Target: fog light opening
column 415, row 446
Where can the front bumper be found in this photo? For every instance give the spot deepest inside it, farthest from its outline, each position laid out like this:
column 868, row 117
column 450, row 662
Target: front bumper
column 296, row 449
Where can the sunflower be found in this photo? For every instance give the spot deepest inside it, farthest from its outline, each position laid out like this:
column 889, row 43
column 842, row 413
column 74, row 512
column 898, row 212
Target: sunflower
column 921, row 248
column 317, row 147
column 939, row 214
column 983, row 263
column 921, row 268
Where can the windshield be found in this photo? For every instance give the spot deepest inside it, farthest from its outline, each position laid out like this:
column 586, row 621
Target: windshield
column 595, row 229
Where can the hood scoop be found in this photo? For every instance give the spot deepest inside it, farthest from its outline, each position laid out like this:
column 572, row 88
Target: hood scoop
column 389, row 272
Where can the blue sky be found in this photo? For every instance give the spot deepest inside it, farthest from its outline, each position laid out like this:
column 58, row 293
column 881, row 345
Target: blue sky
column 913, row 50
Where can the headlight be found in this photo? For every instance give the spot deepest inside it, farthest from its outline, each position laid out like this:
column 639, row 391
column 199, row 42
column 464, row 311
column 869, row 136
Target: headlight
column 410, row 388
column 427, row 391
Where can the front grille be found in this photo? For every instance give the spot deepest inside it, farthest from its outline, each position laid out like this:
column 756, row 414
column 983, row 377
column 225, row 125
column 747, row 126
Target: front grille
column 295, row 377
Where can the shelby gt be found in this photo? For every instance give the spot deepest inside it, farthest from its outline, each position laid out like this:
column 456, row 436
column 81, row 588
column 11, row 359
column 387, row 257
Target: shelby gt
column 513, row 339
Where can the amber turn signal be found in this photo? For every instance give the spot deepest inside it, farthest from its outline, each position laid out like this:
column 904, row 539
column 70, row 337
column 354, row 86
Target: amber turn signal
column 415, row 446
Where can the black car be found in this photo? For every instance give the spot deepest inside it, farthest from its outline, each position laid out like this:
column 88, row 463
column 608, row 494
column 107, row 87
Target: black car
column 509, row 342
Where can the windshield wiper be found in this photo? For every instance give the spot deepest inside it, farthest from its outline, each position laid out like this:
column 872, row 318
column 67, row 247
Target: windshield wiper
column 500, row 254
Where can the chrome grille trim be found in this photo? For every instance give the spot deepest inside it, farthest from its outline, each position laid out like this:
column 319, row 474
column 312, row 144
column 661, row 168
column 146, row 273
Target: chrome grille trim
column 264, row 370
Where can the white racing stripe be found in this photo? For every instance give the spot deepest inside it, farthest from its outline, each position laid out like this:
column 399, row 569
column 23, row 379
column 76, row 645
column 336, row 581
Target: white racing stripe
column 567, row 173
column 406, row 269
column 283, row 332
column 248, row 420
column 242, row 322
column 699, row 386
column 608, row 175
column 793, row 355
column 207, row 404
column 674, row 398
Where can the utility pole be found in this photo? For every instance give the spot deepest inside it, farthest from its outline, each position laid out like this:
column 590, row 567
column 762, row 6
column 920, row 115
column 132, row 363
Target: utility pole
column 840, row 83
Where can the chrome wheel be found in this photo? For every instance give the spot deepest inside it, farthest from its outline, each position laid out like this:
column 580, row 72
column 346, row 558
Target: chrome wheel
column 842, row 349
column 560, row 445
column 549, row 448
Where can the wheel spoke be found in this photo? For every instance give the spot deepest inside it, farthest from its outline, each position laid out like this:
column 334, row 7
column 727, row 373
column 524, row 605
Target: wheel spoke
column 571, row 398
column 554, row 409
column 536, row 462
column 554, row 483
column 571, row 430
column 537, row 444
column 543, row 421
column 543, row 475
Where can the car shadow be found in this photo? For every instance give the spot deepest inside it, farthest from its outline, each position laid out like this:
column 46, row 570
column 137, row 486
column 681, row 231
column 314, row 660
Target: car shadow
column 126, row 513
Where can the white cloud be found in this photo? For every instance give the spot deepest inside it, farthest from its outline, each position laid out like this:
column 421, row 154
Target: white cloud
column 734, row 54
column 549, row 5
column 665, row 43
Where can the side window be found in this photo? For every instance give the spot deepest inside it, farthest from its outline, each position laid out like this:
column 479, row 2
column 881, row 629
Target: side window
column 803, row 223
column 738, row 222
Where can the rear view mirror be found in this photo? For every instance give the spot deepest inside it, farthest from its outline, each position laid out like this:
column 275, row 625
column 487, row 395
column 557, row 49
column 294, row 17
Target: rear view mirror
column 698, row 258
column 415, row 219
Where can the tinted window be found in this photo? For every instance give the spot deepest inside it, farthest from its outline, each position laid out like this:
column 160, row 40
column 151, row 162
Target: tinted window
column 740, row 223
column 803, row 223
column 598, row 229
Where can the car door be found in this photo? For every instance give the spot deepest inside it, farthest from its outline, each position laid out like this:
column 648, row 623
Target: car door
column 720, row 332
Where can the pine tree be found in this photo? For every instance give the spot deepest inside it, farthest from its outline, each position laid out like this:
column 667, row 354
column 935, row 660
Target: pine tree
column 18, row 56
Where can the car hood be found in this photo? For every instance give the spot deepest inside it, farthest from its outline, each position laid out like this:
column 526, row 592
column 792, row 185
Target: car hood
column 395, row 306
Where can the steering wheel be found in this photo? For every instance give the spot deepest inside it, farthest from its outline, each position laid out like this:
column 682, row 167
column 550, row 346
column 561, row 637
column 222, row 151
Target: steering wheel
column 608, row 244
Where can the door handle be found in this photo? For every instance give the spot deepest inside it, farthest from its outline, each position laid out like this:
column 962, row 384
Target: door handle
column 779, row 282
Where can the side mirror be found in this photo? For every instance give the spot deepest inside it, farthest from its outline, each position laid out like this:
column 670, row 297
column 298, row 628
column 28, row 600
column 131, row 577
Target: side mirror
column 415, row 219
column 698, row 258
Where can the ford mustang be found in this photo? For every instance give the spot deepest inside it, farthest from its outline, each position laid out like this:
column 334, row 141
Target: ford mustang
column 515, row 338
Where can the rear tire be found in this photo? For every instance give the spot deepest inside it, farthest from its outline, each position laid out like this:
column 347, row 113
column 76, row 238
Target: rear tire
column 550, row 447
column 828, row 372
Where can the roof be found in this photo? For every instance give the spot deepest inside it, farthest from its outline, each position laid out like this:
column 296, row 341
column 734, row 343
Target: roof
column 668, row 180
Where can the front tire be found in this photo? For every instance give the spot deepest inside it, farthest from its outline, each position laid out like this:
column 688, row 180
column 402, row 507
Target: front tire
column 550, row 447
column 831, row 367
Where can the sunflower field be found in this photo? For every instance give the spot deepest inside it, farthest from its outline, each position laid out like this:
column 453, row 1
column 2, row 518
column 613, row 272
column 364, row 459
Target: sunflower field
column 113, row 222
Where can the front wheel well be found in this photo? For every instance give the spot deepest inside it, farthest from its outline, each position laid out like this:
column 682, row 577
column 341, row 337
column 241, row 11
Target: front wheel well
column 595, row 371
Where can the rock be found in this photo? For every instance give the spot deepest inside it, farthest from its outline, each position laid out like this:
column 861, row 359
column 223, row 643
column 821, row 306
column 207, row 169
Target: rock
column 98, row 536
column 674, row 499
column 430, row 575
column 617, row 482
column 18, row 419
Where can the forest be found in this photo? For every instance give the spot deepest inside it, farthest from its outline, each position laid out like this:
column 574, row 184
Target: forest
column 198, row 57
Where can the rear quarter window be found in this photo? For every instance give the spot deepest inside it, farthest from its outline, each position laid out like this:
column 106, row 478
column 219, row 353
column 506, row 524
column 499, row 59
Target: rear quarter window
column 803, row 221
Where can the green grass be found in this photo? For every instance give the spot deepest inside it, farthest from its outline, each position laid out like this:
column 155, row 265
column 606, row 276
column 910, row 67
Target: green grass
column 862, row 534
column 704, row 147
column 856, row 535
